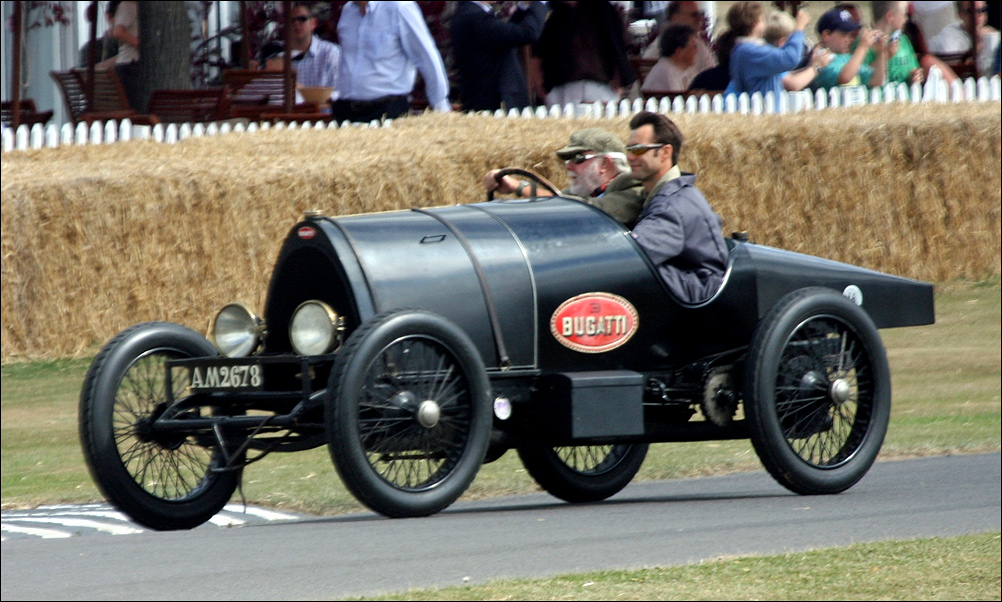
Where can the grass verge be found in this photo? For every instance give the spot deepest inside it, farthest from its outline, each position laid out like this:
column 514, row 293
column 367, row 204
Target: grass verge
column 953, row 568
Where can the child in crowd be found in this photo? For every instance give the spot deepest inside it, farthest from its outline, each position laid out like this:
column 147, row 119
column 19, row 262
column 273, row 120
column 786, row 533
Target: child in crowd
column 778, row 27
column 755, row 65
column 838, row 30
column 902, row 64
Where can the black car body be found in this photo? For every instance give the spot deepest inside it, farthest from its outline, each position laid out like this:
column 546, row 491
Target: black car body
column 541, row 326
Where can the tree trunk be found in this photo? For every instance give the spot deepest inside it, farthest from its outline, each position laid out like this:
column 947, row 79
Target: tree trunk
column 164, row 50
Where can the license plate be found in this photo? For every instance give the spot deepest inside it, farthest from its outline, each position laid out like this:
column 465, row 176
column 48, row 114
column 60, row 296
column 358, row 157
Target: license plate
column 222, row 375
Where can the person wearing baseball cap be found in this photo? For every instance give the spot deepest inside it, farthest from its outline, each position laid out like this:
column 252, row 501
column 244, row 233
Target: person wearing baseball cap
column 838, row 30
column 599, row 172
column 840, row 19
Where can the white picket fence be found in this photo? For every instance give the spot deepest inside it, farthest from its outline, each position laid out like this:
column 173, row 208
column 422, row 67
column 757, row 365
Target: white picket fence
column 934, row 90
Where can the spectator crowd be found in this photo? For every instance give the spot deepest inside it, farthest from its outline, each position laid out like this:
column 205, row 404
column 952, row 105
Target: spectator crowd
column 511, row 55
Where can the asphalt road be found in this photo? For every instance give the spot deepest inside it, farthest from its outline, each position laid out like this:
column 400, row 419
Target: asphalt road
column 649, row 523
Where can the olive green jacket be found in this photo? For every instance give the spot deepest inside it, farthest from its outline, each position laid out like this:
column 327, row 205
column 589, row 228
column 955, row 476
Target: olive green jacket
column 623, row 199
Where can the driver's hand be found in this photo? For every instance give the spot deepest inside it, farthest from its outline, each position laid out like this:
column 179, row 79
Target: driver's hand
column 507, row 185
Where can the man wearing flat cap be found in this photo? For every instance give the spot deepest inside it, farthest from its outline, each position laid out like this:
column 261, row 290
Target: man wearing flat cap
column 599, row 172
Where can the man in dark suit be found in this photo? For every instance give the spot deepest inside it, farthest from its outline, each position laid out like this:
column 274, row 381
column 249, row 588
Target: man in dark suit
column 483, row 49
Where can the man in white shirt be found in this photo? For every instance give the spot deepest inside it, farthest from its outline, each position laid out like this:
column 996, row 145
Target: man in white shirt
column 383, row 46
column 956, row 37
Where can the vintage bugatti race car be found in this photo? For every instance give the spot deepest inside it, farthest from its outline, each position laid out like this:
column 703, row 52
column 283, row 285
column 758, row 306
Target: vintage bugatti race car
column 418, row 345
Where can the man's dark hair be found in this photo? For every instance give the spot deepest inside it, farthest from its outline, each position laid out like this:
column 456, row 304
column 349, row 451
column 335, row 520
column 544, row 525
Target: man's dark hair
column 665, row 130
column 310, row 7
column 724, row 44
column 672, row 10
column 674, row 38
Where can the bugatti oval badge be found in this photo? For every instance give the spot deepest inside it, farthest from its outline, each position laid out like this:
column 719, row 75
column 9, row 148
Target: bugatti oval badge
column 306, row 233
column 594, row 322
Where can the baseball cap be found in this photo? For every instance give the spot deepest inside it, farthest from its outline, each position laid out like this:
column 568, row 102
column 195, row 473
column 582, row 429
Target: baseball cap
column 593, row 139
column 837, row 19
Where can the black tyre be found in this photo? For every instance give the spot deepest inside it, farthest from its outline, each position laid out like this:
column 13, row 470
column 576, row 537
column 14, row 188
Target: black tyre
column 161, row 482
column 817, row 392
column 408, row 415
column 584, row 473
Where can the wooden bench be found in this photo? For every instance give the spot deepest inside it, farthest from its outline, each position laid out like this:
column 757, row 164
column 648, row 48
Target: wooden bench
column 962, row 63
column 298, row 116
column 109, row 101
column 253, row 93
column 28, row 115
column 190, row 106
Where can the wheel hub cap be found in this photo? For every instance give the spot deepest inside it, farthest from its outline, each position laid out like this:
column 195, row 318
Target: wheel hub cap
column 840, row 391
column 428, row 414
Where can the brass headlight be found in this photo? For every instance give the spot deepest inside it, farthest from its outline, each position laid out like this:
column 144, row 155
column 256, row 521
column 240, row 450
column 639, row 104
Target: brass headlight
column 236, row 331
column 315, row 329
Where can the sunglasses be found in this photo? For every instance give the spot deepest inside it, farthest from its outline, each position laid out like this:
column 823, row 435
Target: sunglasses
column 301, row 19
column 579, row 158
column 638, row 149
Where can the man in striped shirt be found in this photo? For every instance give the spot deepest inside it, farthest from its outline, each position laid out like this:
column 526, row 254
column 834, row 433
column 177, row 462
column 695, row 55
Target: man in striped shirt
column 316, row 60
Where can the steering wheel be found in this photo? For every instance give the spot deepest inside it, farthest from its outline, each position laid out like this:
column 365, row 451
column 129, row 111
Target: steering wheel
column 534, row 178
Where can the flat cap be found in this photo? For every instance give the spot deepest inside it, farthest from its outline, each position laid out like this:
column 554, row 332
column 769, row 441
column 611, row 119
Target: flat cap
column 592, row 139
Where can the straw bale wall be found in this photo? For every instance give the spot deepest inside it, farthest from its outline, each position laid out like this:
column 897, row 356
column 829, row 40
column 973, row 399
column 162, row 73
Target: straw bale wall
column 98, row 238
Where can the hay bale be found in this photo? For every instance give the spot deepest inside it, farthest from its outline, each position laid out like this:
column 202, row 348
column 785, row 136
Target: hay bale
column 98, row 238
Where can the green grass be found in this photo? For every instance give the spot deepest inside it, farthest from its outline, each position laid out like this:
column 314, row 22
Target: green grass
column 41, row 459
column 955, row 568
column 946, row 380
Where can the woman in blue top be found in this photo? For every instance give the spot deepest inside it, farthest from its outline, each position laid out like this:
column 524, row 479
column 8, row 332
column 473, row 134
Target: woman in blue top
column 755, row 65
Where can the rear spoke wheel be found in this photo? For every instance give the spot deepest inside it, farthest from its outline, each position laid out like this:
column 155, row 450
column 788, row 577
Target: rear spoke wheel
column 817, row 392
column 824, row 392
column 583, row 473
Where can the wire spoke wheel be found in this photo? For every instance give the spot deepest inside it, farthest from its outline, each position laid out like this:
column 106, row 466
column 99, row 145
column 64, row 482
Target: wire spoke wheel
column 817, row 392
column 170, row 468
column 408, row 417
column 163, row 480
column 824, row 392
column 414, row 413
column 583, row 473
column 591, row 459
